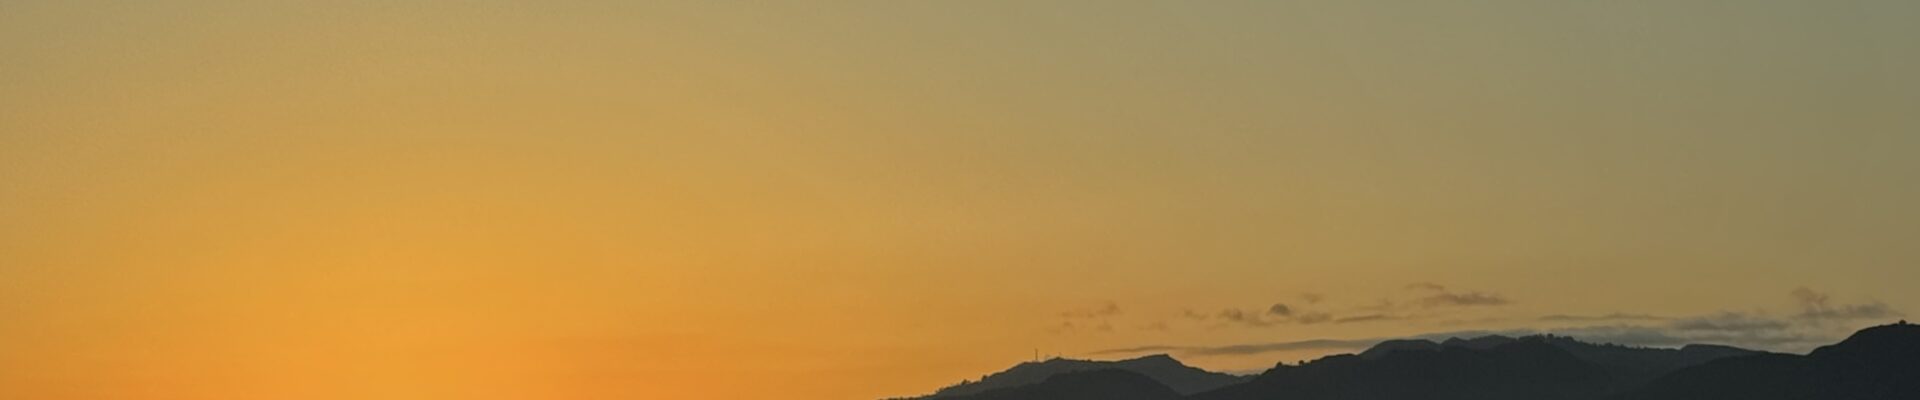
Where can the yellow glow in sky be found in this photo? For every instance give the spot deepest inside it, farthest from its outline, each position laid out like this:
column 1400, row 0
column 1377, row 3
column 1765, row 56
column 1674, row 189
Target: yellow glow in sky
column 850, row 200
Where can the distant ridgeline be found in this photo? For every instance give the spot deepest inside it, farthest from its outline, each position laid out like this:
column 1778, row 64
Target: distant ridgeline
column 1878, row 363
column 1158, row 369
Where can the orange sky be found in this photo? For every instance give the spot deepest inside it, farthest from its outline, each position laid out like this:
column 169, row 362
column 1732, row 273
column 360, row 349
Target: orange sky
column 591, row 200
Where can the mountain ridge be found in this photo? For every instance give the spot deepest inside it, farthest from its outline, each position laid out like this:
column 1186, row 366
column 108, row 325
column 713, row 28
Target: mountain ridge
column 1166, row 370
column 1881, row 362
column 1875, row 363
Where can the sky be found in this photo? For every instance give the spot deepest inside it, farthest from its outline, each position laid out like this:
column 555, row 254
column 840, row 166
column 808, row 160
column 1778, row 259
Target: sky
column 852, row 200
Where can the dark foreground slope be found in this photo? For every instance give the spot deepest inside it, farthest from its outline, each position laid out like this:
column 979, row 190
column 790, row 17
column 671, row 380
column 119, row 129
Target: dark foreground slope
column 1524, row 369
column 1878, row 363
column 1629, row 367
column 1163, row 369
column 1105, row 384
column 1483, row 368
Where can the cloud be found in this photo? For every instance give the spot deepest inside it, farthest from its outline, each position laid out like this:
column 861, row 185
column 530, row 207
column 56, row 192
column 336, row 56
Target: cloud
column 1107, row 309
column 1441, row 296
column 1312, row 318
column 1727, row 322
column 1466, row 299
column 1767, row 336
column 1234, row 314
column 1819, row 306
column 1278, row 313
column 1470, row 321
column 1140, row 350
column 1367, row 318
column 1244, row 349
column 1604, row 317
column 1817, row 323
column 1813, row 325
column 1093, row 319
column 1070, row 327
column 1242, row 317
column 1435, row 296
column 1809, row 298
column 1382, row 305
column 1748, row 335
column 1323, row 344
column 1300, row 345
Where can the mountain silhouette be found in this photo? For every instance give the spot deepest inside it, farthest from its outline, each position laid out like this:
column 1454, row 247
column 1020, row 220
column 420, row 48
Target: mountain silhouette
column 1100, row 384
column 1523, row 369
column 1628, row 367
column 1877, row 363
column 1182, row 379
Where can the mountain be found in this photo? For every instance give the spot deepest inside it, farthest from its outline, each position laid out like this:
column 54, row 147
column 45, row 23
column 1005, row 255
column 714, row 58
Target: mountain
column 1632, row 367
column 1878, row 363
column 1102, row 384
column 1167, row 371
column 1388, row 347
column 1521, row 369
column 1628, row 367
column 1479, row 343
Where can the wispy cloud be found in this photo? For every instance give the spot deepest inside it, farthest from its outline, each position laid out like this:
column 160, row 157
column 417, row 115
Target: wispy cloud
column 1107, row 309
column 1280, row 309
column 1312, row 318
column 1084, row 326
column 1438, row 295
column 1815, row 323
column 1463, row 299
column 1242, row 349
column 1432, row 295
column 1603, row 317
column 1300, row 345
column 1238, row 316
column 1141, row 350
column 1090, row 319
column 1756, row 336
column 1726, row 322
column 1819, row 306
column 1275, row 314
column 1368, row 318
column 1160, row 326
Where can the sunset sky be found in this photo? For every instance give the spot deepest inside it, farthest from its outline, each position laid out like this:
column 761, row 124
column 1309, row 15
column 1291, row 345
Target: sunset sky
column 821, row 200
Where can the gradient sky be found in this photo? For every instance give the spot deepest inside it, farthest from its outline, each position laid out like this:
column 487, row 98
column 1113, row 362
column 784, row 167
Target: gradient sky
column 847, row 200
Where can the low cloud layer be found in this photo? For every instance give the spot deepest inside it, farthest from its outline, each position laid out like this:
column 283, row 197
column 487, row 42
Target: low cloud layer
column 1603, row 317
column 1107, row 309
column 1089, row 319
column 1818, row 321
column 1275, row 314
column 1439, row 296
column 1310, row 310
column 1819, row 306
column 1367, row 318
column 1241, row 349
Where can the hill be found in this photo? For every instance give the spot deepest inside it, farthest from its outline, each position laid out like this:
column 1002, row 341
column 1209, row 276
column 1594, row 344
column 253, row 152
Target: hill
column 1878, row 363
column 1167, row 371
column 1523, row 369
column 1103, row 384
